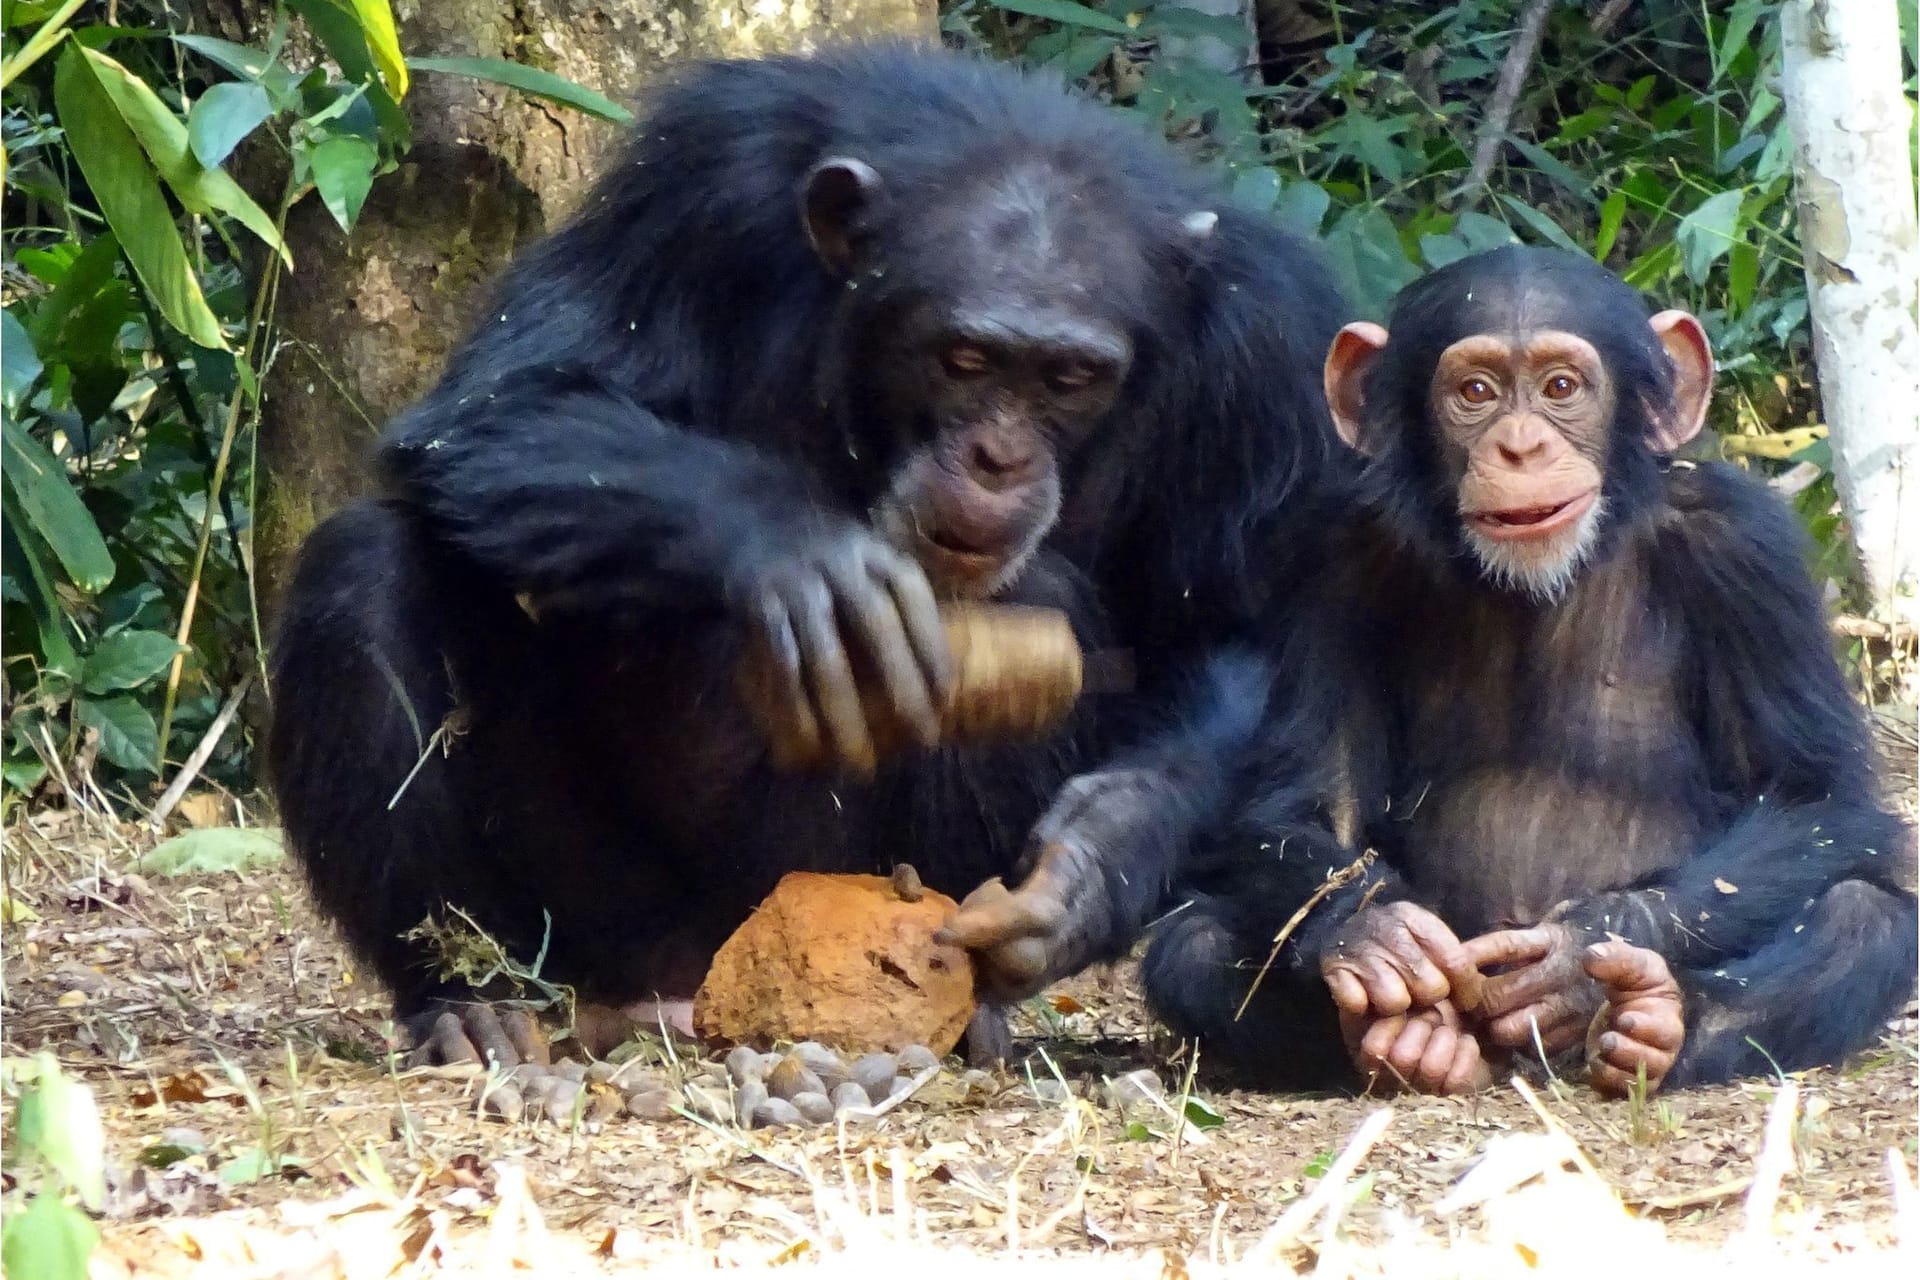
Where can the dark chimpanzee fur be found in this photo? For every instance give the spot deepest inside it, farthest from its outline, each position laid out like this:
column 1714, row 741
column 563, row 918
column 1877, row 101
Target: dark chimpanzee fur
column 1665, row 752
column 507, row 685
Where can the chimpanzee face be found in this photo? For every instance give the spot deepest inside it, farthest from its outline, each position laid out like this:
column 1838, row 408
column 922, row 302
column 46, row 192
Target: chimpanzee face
column 992, row 337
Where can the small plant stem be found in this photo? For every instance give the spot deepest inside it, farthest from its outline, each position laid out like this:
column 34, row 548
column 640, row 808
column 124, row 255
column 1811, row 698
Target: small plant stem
column 40, row 43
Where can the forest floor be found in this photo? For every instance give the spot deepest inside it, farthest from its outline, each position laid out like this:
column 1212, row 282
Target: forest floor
column 255, row 1127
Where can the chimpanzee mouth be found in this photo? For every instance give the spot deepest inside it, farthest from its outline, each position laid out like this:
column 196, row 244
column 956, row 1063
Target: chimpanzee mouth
column 1517, row 524
column 956, row 548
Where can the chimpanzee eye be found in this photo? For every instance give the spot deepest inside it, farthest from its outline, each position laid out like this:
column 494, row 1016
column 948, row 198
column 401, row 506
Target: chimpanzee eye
column 1561, row 386
column 1075, row 375
column 964, row 360
column 1476, row 391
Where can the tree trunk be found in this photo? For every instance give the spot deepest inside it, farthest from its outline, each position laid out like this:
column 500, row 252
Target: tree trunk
column 1854, row 180
column 366, row 320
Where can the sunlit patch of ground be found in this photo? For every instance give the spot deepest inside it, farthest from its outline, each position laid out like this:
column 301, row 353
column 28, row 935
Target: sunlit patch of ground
column 217, row 1017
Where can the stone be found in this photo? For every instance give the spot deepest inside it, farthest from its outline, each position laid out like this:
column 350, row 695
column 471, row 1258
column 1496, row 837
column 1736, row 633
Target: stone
column 815, row 1108
column 743, row 1064
column 916, row 1058
column 710, row 1103
column 651, row 1104
column 506, row 1103
column 1134, row 1090
column 790, row 1077
column 777, row 1113
column 850, row 1097
column 823, row 1062
column 568, row 1069
column 874, row 1074
column 979, row 1081
column 843, row 960
column 747, row 1100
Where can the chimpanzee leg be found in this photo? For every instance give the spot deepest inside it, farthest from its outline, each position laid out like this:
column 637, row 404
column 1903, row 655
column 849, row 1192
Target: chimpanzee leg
column 1198, row 970
column 1818, row 991
column 364, row 751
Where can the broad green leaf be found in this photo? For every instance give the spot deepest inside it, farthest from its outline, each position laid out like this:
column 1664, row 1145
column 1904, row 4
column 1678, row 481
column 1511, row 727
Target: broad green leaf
column 1555, row 169
column 85, row 276
column 1441, row 250
column 214, row 849
column 1612, row 210
column 48, row 1240
column 1068, row 12
column 22, row 561
column 1257, row 188
column 245, row 62
column 1482, row 231
column 383, row 42
column 225, row 114
column 128, row 736
column 342, row 170
column 1202, row 1116
column 1178, row 20
column 530, row 80
column 124, row 185
column 335, row 24
column 1543, row 226
column 126, row 660
column 1743, row 273
column 19, row 362
column 1733, row 37
column 58, row 1119
column 52, row 507
column 1707, row 234
column 1302, row 207
column 165, row 138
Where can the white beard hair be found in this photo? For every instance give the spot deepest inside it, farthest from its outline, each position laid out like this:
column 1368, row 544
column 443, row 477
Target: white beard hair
column 1509, row 567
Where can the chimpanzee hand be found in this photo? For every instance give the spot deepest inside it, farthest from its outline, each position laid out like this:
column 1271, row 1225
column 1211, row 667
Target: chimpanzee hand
column 801, row 605
column 1392, row 958
column 1063, row 913
column 1644, row 1023
column 1423, row 1051
column 1544, row 984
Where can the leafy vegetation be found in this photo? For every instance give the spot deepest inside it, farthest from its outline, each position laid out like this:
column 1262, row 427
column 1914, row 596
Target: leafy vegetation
column 150, row 170
column 140, row 274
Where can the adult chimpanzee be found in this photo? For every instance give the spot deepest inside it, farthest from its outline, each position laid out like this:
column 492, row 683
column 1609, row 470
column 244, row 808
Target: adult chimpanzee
column 1591, row 724
column 837, row 338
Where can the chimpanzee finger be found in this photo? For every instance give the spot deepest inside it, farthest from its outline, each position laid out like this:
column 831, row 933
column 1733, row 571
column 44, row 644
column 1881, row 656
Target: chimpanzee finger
column 1443, row 1047
column 1424, row 982
column 1409, row 1047
column 484, row 1028
column 523, row 1032
column 1459, row 977
column 1377, row 1041
column 1508, row 947
column 444, row 1044
column 1559, row 1028
column 836, row 699
column 1666, row 1032
column 1349, row 993
column 920, row 617
column 1622, row 968
column 1386, row 989
column 990, row 915
column 792, row 729
column 1467, row 1074
column 1616, row 1062
column 1531, row 984
column 870, row 607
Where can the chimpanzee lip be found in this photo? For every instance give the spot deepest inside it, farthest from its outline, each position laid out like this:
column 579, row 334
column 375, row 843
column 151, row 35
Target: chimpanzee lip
column 958, row 557
column 1523, row 524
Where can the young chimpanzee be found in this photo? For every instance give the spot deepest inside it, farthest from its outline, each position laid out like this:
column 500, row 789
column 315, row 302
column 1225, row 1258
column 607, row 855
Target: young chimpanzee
column 1590, row 723
column 835, row 340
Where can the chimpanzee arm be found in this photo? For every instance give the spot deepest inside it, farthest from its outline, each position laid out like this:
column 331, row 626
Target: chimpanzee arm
column 574, row 493
column 1780, row 728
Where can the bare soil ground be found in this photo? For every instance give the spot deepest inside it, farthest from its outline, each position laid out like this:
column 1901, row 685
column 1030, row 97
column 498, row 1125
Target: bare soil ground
column 257, row 1127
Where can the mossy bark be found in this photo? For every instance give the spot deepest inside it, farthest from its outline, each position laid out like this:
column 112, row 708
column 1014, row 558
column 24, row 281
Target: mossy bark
column 366, row 320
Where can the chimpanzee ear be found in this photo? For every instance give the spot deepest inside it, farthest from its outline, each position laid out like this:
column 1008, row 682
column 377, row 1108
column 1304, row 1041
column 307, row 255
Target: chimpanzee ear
column 1687, row 347
column 835, row 201
column 1352, row 354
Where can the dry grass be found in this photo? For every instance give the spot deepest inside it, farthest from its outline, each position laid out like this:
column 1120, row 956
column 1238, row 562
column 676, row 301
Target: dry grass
column 225, row 1009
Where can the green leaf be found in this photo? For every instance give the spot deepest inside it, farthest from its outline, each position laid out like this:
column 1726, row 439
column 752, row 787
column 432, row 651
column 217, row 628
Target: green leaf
column 165, row 139
column 383, row 42
column 225, row 114
column 214, row 849
column 1257, row 188
column 49, row 1240
column 54, row 510
column 124, row 185
column 529, row 80
column 1543, row 226
column 342, row 170
column 58, row 1119
column 1743, row 273
column 23, row 560
column 1707, row 234
column 1318, row 1166
column 1302, row 207
column 19, row 362
column 1441, row 250
column 1555, row 169
column 1482, row 231
column 128, row 736
column 1202, row 1116
column 1733, row 37
column 127, row 660
column 245, row 62
column 1178, row 20
column 1068, row 12
column 254, row 1164
column 1612, row 210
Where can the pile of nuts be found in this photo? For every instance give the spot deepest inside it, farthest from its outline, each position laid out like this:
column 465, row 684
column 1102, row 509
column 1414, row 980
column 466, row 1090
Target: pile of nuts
column 811, row 1084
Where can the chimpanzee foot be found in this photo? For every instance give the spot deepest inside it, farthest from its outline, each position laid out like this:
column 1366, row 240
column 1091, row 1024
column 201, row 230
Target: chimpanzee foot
column 454, row 1031
column 600, row 1028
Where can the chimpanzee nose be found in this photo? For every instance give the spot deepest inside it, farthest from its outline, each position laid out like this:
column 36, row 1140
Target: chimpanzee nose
column 997, row 462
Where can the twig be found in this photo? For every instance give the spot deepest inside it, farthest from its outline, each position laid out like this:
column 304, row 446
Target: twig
column 1694, row 1199
column 892, row 1100
column 1552, row 1122
column 1332, row 1185
column 1338, row 880
column 1608, row 14
column 1774, row 1162
column 1857, row 628
column 201, row 754
column 1513, row 78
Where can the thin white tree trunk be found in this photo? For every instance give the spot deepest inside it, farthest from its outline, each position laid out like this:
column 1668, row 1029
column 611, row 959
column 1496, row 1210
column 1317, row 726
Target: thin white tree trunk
column 1853, row 172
